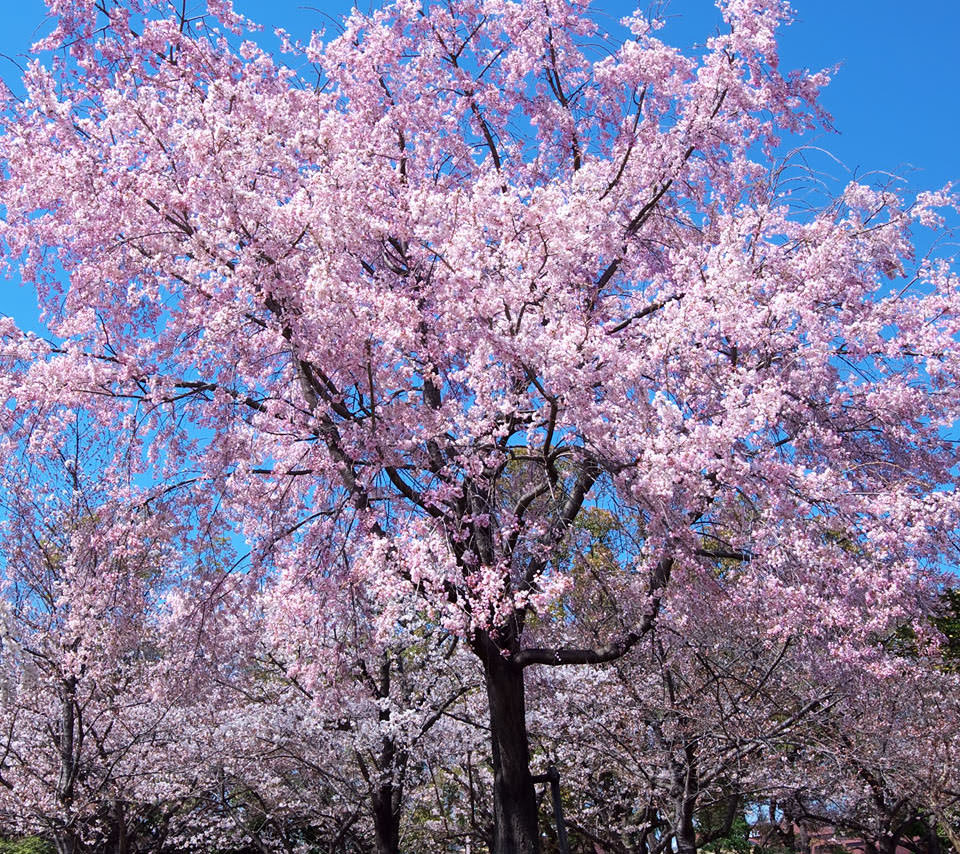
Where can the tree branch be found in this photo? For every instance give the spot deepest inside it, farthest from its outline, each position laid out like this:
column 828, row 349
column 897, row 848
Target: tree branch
column 608, row 652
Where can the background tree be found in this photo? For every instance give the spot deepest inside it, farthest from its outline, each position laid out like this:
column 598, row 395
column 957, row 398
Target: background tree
column 86, row 560
column 879, row 765
column 669, row 747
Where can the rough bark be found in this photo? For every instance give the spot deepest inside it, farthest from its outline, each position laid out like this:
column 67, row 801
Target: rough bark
column 387, row 798
column 386, row 820
column 516, row 826
column 67, row 843
column 119, row 841
column 888, row 844
column 685, row 834
column 67, row 840
column 386, row 793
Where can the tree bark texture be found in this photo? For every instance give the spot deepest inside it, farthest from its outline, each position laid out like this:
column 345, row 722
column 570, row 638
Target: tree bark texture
column 516, row 825
column 386, row 820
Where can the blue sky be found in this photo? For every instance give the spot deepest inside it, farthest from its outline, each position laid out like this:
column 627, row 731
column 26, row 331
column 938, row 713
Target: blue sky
column 895, row 99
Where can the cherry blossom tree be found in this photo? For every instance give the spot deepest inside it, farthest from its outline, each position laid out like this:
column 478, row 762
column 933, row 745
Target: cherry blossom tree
column 703, row 714
column 314, row 708
column 84, row 566
column 880, row 765
column 407, row 319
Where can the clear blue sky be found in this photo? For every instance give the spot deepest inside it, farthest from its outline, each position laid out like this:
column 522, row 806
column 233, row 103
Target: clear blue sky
column 895, row 100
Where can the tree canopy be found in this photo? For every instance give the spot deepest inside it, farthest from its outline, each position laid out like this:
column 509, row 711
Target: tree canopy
column 415, row 323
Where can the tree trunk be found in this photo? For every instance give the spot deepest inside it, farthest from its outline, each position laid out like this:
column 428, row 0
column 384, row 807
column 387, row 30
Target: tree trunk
column 685, row 834
column 67, row 843
column 386, row 822
column 888, row 844
column 68, row 725
column 686, row 789
column 119, row 842
column 387, row 791
column 516, row 827
column 795, row 835
column 933, row 839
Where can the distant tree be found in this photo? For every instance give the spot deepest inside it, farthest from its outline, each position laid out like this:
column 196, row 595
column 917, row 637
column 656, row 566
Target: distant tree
column 323, row 727
column 881, row 765
column 84, row 563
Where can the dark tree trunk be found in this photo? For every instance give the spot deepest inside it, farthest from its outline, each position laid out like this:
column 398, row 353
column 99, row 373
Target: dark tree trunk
column 516, row 827
column 67, row 843
column 119, row 842
column 386, row 821
column 888, row 844
column 686, row 834
column 388, row 798
column 796, row 835
column 686, row 789
column 387, row 789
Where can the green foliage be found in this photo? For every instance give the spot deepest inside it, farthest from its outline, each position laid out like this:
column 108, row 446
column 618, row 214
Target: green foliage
column 736, row 841
column 29, row 845
column 948, row 623
column 903, row 642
